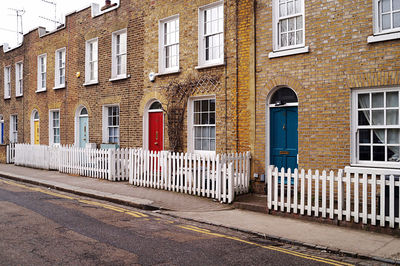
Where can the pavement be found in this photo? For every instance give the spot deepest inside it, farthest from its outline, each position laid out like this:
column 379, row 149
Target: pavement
column 349, row 241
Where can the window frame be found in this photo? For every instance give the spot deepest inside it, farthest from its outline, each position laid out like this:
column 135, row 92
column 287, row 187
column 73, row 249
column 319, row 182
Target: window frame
column 7, row 82
column 19, row 79
column 202, row 62
column 191, row 126
column 14, row 128
column 276, row 23
column 162, row 69
column 88, row 62
column 377, row 24
column 57, row 83
column 106, row 126
column 40, row 87
column 52, row 127
column 354, row 150
column 114, row 55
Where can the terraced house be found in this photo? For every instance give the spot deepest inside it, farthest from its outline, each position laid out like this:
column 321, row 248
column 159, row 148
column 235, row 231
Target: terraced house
column 301, row 84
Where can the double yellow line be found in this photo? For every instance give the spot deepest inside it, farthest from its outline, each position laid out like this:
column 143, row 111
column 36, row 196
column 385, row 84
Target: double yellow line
column 89, row 202
column 274, row 248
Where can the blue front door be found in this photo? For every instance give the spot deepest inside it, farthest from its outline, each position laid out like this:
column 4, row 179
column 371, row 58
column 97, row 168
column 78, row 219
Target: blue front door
column 2, row 133
column 83, row 131
column 284, row 139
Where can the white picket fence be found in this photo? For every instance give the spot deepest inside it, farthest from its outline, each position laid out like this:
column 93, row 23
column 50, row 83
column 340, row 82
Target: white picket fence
column 219, row 177
column 10, row 153
column 369, row 195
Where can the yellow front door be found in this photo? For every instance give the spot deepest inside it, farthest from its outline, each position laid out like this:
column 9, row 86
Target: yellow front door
column 36, row 135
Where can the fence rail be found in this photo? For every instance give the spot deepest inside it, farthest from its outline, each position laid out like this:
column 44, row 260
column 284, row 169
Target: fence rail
column 219, row 177
column 361, row 195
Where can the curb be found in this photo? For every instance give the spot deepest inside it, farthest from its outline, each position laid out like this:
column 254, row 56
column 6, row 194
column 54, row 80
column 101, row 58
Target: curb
column 147, row 207
column 155, row 208
column 292, row 242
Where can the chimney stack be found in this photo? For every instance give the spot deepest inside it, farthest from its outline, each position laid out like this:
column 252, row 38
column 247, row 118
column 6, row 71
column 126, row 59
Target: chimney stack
column 108, row 5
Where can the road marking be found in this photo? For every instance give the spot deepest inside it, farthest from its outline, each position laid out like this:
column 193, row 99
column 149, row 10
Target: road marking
column 282, row 250
column 89, row 202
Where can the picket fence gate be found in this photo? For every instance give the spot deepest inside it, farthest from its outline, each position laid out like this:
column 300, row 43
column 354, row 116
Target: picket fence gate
column 219, row 177
column 363, row 194
column 10, row 156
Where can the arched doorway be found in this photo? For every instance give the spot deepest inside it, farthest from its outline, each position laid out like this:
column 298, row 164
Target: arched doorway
column 1, row 129
column 282, row 150
column 81, row 127
column 35, row 128
column 154, row 127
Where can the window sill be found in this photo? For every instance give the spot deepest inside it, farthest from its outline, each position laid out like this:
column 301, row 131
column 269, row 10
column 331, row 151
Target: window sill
column 288, row 52
column 168, row 72
column 372, row 170
column 383, row 37
column 209, row 65
column 42, row 90
column 119, row 78
column 18, row 96
column 7, row 98
column 59, row 87
column 95, row 82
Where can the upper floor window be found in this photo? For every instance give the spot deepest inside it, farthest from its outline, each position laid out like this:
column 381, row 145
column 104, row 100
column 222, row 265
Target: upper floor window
column 7, row 82
column 91, row 62
column 60, row 68
column 42, row 70
column 14, row 128
column 19, row 83
column 119, row 54
column 211, row 34
column 54, row 127
column 388, row 15
column 288, row 24
column 169, row 45
column 111, row 124
column 376, row 127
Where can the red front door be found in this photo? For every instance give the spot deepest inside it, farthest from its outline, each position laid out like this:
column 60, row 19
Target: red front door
column 156, row 131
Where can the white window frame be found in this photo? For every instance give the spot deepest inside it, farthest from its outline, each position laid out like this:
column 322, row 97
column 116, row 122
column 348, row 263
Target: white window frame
column 14, row 128
column 19, row 79
column 57, row 83
column 90, row 63
column 191, row 126
column 202, row 62
column 379, row 34
column 52, row 127
column 124, row 54
column 40, row 86
column 162, row 68
column 354, row 130
column 7, row 82
column 106, row 125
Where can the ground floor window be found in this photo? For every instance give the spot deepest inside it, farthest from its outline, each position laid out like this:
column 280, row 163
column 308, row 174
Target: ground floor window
column 14, row 128
column 376, row 127
column 54, row 127
column 204, row 124
column 111, row 124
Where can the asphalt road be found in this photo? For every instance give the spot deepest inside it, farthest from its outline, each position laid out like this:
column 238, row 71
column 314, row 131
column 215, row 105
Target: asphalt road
column 39, row 226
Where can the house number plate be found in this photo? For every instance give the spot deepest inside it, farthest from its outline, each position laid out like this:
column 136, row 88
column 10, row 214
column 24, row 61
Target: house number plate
column 284, row 152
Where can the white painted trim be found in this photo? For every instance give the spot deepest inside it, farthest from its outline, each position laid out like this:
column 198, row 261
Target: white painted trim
column 190, row 127
column 288, row 52
column 201, row 53
column 39, row 79
column 33, row 127
column 120, row 77
column 11, row 128
column 17, row 94
column 51, row 134
column 1, row 123
column 76, row 122
column 88, row 81
column 209, row 65
column 58, row 85
column 146, row 112
column 114, row 75
column 8, row 69
column 169, row 72
column 267, row 122
column 383, row 37
column 105, row 122
column 161, row 55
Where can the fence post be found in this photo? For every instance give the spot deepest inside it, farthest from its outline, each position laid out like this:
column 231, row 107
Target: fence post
column 111, row 164
column 231, row 192
column 131, row 167
column 269, row 187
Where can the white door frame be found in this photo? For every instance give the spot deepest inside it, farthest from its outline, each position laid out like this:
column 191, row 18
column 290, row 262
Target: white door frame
column 77, row 124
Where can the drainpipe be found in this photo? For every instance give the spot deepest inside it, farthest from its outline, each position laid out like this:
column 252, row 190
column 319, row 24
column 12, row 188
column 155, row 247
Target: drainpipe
column 237, row 76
